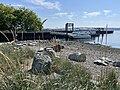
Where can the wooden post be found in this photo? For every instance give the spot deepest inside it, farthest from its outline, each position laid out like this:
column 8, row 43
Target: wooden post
column 66, row 29
column 106, row 33
column 72, row 27
column 22, row 35
column 34, row 35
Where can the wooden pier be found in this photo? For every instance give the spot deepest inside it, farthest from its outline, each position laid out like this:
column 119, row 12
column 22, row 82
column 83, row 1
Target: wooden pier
column 44, row 35
column 26, row 36
column 104, row 32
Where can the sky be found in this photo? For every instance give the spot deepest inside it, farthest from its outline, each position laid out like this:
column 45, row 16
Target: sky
column 83, row 13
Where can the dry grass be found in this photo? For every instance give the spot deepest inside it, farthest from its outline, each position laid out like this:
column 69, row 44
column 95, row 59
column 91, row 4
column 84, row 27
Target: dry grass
column 14, row 75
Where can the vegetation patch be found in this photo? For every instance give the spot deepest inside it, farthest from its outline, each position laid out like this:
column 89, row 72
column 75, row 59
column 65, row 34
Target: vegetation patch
column 69, row 76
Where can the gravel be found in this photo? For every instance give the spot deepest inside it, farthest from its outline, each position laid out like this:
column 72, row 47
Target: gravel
column 93, row 52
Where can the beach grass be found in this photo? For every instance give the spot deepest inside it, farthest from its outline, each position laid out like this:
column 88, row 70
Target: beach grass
column 14, row 75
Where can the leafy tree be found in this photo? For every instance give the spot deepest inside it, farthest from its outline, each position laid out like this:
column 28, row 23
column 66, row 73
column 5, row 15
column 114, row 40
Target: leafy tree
column 6, row 17
column 21, row 19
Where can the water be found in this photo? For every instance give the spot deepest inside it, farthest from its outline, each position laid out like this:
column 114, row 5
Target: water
column 113, row 40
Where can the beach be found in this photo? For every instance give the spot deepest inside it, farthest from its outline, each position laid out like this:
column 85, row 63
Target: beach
column 93, row 52
column 63, row 71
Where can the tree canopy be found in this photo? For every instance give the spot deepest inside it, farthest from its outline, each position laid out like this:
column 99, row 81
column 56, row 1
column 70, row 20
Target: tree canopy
column 20, row 19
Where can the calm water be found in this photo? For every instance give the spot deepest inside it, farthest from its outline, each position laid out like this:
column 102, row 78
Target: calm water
column 113, row 40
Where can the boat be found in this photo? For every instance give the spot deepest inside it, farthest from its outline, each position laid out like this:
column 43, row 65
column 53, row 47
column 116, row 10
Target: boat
column 93, row 33
column 81, row 34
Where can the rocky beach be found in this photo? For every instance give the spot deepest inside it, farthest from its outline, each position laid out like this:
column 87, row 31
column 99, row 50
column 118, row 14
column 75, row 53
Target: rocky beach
column 92, row 52
column 36, row 62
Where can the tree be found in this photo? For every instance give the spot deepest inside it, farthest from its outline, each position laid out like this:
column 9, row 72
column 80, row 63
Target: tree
column 6, row 17
column 21, row 19
column 26, row 19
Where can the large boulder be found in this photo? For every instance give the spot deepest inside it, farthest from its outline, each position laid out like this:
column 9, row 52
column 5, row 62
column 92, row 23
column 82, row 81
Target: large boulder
column 41, row 64
column 78, row 57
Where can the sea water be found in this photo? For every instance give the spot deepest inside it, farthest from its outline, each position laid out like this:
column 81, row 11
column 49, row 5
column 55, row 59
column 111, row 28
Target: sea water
column 112, row 40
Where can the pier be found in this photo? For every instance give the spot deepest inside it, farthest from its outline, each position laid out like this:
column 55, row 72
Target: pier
column 104, row 32
column 26, row 36
column 49, row 34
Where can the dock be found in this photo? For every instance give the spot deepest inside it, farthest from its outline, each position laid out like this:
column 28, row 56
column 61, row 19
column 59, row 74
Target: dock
column 104, row 32
column 26, row 36
column 45, row 35
column 34, row 36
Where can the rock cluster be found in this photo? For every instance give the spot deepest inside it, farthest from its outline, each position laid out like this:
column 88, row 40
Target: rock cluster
column 104, row 61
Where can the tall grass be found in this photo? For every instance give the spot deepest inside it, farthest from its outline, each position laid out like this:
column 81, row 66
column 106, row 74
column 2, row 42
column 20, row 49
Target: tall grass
column 109, row 81
column 11, row 65
column 13, row 74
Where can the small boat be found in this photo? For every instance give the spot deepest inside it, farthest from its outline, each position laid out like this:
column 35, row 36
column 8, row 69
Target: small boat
column 81, row 34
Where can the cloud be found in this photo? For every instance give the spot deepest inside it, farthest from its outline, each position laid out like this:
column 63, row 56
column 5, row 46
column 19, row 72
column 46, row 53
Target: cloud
column 106, row 12
column 65, row 14
column 60, row 14
column 47, row 4
column 91, row 14
column 17, row 5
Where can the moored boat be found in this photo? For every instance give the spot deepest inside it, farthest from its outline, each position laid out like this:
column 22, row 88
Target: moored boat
column 81, row 34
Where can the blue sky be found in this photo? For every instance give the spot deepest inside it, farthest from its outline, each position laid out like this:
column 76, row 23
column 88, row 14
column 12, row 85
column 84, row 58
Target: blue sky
column 83, row 13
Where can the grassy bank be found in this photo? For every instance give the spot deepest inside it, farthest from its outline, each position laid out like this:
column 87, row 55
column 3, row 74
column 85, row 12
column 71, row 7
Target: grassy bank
column 14, row 63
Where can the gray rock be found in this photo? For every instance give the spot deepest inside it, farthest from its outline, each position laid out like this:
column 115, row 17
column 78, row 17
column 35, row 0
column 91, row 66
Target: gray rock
column 50, row 52
column 41, row 64
column 116, row 64
column 78, row 57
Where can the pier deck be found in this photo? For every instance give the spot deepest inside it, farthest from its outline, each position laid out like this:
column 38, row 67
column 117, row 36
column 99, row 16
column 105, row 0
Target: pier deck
column 104, row 32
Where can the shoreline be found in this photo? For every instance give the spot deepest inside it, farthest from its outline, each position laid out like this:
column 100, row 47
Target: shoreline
column 93, row 52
